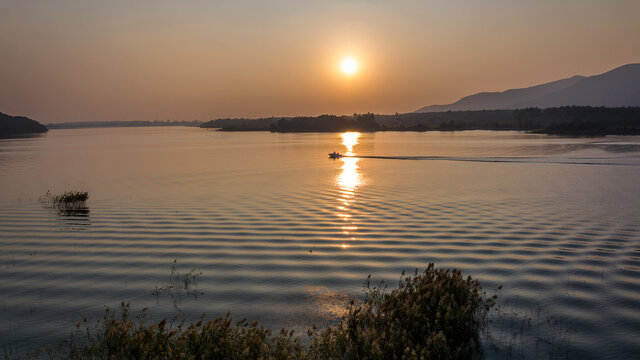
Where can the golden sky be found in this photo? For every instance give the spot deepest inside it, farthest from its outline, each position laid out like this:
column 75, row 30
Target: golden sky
column 204, row 59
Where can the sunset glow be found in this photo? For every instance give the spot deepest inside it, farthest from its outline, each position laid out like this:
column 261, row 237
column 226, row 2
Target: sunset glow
column 263, row 158
column 349, row 66
column 218, row 59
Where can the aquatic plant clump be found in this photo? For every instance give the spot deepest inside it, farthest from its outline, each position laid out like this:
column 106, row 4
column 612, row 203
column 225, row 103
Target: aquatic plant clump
column 179, row 284
column 65, row 199
column 436, row 314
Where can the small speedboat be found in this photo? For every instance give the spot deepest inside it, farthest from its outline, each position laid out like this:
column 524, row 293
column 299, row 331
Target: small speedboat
column 335, row 155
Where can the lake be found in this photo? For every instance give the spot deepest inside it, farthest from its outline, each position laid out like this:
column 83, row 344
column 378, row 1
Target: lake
column 266, row 226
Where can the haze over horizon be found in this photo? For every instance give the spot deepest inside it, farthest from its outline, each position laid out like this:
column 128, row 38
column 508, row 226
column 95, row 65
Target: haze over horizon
column 101, row 61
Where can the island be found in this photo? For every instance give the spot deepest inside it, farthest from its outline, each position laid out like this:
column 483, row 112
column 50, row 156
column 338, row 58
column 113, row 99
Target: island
column 19, row 125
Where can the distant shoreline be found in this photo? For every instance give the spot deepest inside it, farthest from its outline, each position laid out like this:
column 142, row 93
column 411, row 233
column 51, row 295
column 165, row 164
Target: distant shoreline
column 563, row 121
column 102, row 124
column 621, row 132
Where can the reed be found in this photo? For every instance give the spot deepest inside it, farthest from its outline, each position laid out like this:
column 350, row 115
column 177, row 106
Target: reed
column 179, row 284
column 436, row 314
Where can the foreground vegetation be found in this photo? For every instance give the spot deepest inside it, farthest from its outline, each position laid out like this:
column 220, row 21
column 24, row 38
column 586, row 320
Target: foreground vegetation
column 436, row 314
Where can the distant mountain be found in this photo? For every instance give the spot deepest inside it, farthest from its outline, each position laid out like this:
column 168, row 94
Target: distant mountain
column 19, row 125
column 616, row 88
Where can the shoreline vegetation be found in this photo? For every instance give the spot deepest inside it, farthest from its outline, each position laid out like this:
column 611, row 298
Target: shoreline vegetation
column 566, row 120
column 436, row 314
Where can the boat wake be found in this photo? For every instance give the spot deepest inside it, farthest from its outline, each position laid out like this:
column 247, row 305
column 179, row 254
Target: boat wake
column 500, row 159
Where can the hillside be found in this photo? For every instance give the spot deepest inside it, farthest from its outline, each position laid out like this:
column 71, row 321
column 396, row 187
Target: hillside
column 19, row 125
column 617, row 88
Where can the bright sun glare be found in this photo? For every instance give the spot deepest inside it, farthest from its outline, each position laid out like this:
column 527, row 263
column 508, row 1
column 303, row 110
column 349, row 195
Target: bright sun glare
column 349, row 66
column 349, row 139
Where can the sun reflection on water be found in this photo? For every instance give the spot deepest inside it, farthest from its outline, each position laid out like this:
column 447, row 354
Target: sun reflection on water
column 348, row 181
column 349, row 178
column 350, row 139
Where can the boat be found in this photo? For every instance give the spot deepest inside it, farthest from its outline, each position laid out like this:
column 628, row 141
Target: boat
column 335, row 155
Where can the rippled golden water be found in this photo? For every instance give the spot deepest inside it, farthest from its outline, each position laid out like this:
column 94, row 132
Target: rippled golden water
column 276, row 231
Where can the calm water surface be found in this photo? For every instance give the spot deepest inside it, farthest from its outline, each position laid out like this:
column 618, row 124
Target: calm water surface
column 276, row 231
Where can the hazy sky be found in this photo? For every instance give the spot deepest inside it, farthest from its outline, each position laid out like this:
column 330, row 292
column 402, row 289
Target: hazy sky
column 92, row 60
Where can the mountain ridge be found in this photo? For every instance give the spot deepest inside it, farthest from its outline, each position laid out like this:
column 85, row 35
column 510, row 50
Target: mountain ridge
column 616, row 88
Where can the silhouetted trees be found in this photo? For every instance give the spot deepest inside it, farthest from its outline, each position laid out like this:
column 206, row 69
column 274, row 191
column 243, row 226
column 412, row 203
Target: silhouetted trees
column 366, row 122
column 261, row 123
column 568, row 120
column 327, row 123
column 581, row 120
column 17, row 125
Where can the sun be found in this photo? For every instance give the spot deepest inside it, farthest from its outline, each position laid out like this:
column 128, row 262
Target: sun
column 349, row 66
